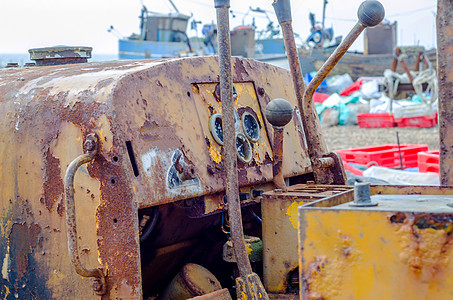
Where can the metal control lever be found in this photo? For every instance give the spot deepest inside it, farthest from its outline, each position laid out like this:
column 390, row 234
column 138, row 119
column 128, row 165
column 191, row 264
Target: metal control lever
column 248, row 284
column 327, row 166
column 278, row 112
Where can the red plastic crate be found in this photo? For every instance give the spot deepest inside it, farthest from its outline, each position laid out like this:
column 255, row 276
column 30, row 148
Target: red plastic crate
column 428, row 161
column 421, row 122
column 375, row 120
column 384, row 155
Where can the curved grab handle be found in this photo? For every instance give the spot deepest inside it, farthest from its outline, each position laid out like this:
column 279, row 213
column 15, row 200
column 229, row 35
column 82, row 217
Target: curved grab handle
column 91, row 146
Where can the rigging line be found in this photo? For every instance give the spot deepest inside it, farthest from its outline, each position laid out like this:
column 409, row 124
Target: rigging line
column 342, row 19
column 411, row 12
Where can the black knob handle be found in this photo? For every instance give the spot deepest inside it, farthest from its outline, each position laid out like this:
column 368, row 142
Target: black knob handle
column 371, row 13
column 279, row 112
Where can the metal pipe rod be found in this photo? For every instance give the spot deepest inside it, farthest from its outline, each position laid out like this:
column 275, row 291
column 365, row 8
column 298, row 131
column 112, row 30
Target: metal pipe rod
column 229, row 153
column 310, row 120
column 283, row 11
column 333, row 60
column 445, row 79
column 277, row 168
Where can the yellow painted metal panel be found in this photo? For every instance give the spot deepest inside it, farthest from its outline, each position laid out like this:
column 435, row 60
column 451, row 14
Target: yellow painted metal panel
column 359, row 254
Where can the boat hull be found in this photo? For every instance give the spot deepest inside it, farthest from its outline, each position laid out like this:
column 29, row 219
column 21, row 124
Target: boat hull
column 138, row 49
column 358, row 65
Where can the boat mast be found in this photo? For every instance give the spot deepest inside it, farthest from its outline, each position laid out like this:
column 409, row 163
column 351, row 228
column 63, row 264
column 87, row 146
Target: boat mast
column 174, row 6
column 324, row 13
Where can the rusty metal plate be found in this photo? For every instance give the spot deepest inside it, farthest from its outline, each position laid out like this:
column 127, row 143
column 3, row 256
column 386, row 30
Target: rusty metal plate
column 398, row 249
column 280, row 244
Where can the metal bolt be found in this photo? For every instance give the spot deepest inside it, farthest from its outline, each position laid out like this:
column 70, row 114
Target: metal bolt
column 90, row 145
column 362, row 197
column 97, row 285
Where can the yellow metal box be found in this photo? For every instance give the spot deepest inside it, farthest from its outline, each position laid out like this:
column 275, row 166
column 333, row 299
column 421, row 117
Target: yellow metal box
column 399, row 249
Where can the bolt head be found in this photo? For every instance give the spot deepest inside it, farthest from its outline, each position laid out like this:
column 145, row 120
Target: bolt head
column 279, row 112
column 371, row 13
column 97, row 285
column 90, row 145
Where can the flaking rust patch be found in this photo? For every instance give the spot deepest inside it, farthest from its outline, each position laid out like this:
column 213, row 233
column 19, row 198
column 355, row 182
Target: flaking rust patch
column 425, row 240
column 23, row 240
column 53, row 184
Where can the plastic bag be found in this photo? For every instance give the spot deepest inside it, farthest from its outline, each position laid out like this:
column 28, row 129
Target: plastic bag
column 370, row 90
column 402, row 177
column 338, row 83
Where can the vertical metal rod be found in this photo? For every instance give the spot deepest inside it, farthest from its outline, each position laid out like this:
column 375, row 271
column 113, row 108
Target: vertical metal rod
column 399, row 150
column 283, row 11
column 323, row 18
column 310, row 118
column 445, row 79
column 277, row 168
column 293, row 60
column 229, row 154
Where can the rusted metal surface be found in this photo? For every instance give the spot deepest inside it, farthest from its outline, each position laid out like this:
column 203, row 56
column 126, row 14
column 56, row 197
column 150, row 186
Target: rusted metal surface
column 445, row 79
column 279, row 113
column 143, row 112
column 395, row 250
column 91, row 146
column 277, row 148
column 293, row 60
column 229, row 146
column 311, row 121
column 279, row 215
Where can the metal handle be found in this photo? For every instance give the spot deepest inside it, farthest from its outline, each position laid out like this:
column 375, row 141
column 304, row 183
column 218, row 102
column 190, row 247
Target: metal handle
column 370, row 14
column 91, row 146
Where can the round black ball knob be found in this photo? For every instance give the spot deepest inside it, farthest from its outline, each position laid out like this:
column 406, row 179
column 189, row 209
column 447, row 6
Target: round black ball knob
column 279, row 112
column 371, row 13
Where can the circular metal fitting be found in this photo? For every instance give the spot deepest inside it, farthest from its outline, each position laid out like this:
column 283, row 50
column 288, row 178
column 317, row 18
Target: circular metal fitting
column 250, row 126
column 243, row 148
column 60, row 55
column 216, row 129
column 279, row 112
column 371, row 13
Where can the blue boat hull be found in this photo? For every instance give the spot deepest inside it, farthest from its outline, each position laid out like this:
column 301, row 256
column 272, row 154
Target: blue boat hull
column 136, row 49
column 270, row 46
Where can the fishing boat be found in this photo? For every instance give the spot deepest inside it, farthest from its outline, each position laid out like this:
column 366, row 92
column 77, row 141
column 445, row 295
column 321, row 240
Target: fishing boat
column 379, row 44
column 359, row 64
column 163, row 35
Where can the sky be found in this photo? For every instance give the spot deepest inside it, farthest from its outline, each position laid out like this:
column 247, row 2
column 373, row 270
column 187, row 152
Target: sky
column 26, row 24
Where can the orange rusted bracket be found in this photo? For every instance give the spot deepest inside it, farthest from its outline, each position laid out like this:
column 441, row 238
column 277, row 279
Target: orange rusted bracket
column 91, row 146
column 327, row 166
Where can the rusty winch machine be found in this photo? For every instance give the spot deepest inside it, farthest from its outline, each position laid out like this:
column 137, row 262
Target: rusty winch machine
column 203, row 177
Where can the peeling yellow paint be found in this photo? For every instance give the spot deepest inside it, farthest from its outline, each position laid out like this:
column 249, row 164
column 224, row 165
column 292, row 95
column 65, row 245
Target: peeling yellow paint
column 7, row 292
column 292, row 213
column 215, row 154
column 248, row 248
